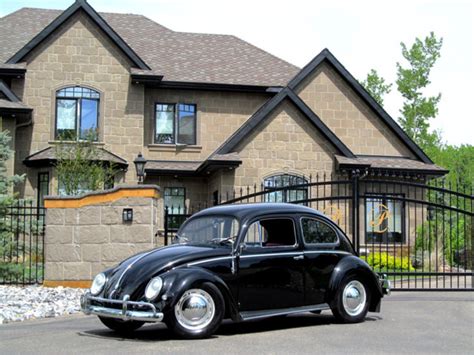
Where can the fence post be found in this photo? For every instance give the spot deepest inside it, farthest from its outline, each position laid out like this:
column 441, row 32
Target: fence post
column 355, row 209
column 166, row 225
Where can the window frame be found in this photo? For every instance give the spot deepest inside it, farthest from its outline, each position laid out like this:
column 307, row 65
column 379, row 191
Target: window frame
column 273, row 247
column 386, row 196
column 175, row 123
column 38, row 194
column 170, row 211
column 285, row 189
column 319, row 245
column 78, row 114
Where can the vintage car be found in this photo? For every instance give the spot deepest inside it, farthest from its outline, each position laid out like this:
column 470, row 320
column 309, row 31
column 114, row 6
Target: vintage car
column 240, row 262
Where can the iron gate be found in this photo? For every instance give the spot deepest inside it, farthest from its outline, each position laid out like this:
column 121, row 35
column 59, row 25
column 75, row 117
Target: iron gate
column 419, row 234
column 21, row 243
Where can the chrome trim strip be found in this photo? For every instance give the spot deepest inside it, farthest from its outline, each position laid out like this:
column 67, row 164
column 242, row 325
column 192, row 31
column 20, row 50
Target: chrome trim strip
column 270, row 254
column 327, row 252
column 280, row 312
column 209, row 260
column 129, row 267
column 123, row 313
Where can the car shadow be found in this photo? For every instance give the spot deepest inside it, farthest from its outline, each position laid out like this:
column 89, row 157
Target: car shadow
column 159, row 332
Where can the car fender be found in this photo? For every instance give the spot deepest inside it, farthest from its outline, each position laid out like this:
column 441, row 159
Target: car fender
column 352, row 265
column 176, row 281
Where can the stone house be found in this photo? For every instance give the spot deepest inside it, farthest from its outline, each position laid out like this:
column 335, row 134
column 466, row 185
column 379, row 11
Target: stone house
column 210, row 113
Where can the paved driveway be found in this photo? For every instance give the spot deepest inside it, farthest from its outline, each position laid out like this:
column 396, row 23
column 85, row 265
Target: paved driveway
column 409, row 323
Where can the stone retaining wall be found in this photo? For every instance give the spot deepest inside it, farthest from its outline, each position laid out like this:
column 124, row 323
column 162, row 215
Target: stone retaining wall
column 86, row 235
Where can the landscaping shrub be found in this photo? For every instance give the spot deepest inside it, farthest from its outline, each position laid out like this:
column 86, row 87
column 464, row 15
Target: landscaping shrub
column 386, row 262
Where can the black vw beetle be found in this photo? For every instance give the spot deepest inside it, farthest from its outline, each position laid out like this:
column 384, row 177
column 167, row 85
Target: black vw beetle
column 241, row 262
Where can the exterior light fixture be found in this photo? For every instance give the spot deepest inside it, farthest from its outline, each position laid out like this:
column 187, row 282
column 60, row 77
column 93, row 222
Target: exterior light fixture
column 140, row 163
column 127, row 215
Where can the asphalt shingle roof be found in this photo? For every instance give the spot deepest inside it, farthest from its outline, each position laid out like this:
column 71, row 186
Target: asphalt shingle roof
column 178, row 56
column 390, row 163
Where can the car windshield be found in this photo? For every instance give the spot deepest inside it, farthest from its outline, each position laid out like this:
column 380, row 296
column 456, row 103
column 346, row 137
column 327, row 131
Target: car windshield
column 209, row 230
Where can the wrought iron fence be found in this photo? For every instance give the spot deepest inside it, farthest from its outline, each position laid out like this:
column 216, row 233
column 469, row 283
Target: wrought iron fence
column 419, row 234
column 22, row 243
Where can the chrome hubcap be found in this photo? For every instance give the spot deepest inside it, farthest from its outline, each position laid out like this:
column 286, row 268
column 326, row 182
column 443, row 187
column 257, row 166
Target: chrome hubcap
column 195, row 309
column 354, row 298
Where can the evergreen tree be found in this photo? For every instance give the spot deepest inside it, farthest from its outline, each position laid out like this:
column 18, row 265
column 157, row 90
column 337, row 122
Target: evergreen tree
column 7, row 199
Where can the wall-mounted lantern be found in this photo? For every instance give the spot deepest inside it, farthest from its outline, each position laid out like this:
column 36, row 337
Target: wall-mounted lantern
column 140, row 163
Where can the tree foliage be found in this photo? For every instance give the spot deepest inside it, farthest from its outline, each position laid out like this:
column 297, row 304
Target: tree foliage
column 376, row 86
column 79, row 168
column 418, row 109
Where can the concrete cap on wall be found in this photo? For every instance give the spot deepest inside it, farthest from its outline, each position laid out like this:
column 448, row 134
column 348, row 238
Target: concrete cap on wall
column 103, row 196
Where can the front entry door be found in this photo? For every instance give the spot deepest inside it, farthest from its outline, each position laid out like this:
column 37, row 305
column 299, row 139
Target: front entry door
column 270, row 272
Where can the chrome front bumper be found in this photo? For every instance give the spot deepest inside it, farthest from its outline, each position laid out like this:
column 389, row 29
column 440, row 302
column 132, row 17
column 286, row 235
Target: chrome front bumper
column 148, row 315
column 386, row 284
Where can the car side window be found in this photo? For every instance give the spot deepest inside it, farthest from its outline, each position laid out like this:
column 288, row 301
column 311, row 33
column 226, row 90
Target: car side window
column 317, row 232
column 273, row 232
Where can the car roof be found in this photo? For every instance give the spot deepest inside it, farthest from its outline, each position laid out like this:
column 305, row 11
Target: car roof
column 256, row 209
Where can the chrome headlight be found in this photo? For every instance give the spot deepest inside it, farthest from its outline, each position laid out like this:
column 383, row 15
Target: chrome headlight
column 153, row 288
column 98, row 284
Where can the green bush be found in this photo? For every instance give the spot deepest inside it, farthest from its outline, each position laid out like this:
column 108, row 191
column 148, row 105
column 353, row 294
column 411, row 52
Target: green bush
column 386, row 262
column 448, row 235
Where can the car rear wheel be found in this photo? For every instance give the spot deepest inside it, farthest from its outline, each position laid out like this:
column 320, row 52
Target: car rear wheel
column 121, row 326
column 352, row 301
column 198, row 312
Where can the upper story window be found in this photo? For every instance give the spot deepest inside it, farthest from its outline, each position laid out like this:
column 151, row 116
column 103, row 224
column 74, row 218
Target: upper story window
column 175, row 124
column 77, row 113
column 292, row 191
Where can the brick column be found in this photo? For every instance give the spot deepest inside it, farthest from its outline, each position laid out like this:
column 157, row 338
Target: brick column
column 86, row 234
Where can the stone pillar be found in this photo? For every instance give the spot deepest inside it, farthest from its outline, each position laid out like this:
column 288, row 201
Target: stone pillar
column 86, row 234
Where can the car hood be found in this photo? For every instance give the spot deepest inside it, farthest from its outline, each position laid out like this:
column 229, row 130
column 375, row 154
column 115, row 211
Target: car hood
column 132, row 275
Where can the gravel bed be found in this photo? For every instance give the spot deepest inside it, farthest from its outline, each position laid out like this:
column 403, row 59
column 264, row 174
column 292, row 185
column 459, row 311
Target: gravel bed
column 20, row 303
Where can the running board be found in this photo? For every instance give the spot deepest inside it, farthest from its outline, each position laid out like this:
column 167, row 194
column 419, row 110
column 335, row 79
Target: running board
column 282, row 311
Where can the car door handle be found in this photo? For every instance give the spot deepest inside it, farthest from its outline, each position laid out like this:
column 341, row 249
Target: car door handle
column 299, row 257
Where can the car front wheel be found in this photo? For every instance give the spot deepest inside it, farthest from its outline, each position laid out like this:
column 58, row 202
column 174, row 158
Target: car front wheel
column 352, row 301
column 197, row 313
column 121, row 326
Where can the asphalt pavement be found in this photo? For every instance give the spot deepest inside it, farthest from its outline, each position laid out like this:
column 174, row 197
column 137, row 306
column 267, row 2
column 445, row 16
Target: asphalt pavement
column 410, row 322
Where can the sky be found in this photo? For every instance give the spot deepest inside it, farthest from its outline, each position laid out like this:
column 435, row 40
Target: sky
column 362, row 34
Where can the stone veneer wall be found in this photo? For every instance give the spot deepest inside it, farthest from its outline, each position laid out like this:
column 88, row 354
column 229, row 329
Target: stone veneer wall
column 86, row 235
column 79, row 54
column 353, row 122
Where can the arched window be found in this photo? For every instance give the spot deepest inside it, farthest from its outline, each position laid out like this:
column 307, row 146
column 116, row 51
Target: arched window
column 292, row 193
column 77, row 113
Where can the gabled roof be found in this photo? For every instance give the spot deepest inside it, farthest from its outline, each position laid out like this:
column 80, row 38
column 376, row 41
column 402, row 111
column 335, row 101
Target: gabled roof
column 180, row 57
column 328, row 57
column 385, row 164
column 9, row 102
column 66, row 15
column 48, row 156
column 192, row 168
column 263, row 113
